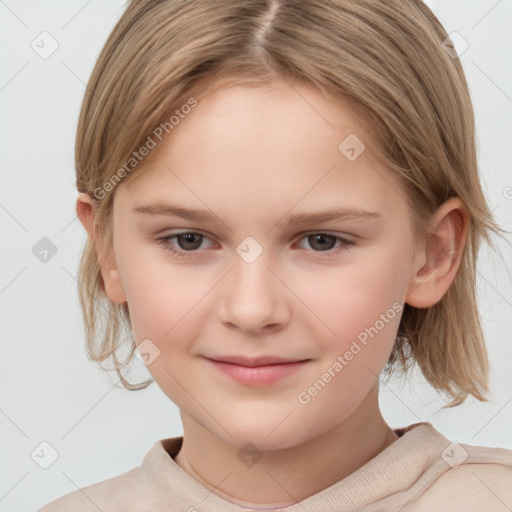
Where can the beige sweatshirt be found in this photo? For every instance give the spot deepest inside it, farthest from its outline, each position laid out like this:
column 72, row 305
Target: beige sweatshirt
column 421, row 471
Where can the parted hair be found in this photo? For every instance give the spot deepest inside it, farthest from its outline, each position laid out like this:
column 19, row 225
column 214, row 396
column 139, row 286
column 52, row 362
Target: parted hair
column 390, row 60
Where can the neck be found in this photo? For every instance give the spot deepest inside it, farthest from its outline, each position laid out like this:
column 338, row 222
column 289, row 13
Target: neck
column 288, row 475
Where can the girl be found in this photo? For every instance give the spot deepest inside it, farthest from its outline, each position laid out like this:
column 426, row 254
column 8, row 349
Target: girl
column 283, row 202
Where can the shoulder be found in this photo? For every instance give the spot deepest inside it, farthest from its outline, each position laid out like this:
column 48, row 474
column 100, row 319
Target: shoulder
column 480, row 480
column 112, row 495
column 137, row 489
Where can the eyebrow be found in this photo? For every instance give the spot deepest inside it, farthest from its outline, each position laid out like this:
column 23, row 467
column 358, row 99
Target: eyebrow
column 298, row 218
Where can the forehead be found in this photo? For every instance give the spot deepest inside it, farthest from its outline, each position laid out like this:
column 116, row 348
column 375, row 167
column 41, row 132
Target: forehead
column 274, row 143
column 274, row 117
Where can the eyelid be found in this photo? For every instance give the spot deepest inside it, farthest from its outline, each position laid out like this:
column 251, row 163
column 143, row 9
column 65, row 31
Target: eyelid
column 346, row 236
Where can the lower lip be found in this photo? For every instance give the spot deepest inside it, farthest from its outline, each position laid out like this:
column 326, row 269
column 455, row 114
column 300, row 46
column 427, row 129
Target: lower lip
column 259, row 375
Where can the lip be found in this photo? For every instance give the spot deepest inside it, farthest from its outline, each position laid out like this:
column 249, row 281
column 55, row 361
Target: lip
column 261, row 371
column 254, row 361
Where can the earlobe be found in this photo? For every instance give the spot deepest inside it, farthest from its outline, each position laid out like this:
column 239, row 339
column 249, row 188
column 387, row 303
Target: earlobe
column 439, row 259
column 112, row 285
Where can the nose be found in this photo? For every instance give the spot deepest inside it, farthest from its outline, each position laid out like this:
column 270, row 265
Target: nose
column 253, row 297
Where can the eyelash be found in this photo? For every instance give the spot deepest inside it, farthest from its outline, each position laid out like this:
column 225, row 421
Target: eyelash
column 181, row 254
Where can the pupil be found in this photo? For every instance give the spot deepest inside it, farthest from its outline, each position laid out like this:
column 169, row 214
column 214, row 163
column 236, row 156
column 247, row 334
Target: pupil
column 322, row 238
column 188, row 238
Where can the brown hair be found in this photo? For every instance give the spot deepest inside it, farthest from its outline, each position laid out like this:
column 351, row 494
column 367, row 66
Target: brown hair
column 389, row 60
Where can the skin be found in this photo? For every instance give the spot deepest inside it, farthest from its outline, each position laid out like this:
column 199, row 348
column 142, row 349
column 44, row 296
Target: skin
column 252, row 156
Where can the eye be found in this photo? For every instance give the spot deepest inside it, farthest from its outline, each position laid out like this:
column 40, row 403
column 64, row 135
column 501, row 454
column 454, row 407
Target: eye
column 190, row 241
column 325, row 242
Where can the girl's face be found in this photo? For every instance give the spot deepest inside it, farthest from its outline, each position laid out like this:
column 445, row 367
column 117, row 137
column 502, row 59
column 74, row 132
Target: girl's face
column 255, row 277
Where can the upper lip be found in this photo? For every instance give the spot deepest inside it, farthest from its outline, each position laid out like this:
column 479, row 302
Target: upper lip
column 253, row 362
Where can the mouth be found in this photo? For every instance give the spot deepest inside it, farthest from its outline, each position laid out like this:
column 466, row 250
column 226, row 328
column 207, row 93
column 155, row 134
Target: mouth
column 257, row 372
column 255, row 361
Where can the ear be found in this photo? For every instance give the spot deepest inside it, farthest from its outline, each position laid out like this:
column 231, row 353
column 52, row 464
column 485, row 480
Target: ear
column 111, row 280
column 438, row 258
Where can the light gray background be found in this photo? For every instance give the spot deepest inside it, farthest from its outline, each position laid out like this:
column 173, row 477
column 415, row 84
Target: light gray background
column 49, row 391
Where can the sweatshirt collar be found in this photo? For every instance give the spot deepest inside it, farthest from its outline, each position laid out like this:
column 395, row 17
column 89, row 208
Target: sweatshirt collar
column 393, row 470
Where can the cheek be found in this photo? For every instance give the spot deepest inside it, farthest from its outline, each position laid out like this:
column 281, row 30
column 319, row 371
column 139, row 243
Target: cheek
column 351, row 298
column 163, row 297
column 166, row 307
column 360, row 311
